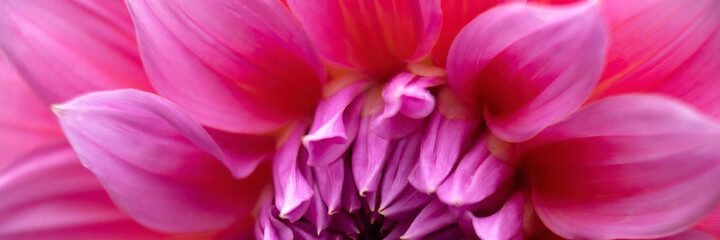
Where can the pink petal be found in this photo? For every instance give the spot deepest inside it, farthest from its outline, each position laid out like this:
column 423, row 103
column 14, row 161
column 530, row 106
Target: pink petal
column 528, row 66
column 25, row 122
column 441, row 148
column 48, row 194
column 154, row 159
column 400, row 162
column 478, row 175
column 434, row 215
column 455, row 15
column 317, row 212
column 335, row 125
column 504, row 224
column 665, row 46
column 368, row 157
column 239, row 66
column 330, row 179
column 370, row 35
column 243, row 152
column 67, row 48
column 292, row 188
column 690, row 234
column 631, row 166
column 407, row 103
column 711, row 223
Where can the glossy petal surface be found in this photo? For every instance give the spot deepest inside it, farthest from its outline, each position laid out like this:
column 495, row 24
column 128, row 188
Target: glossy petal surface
column 71, row 205
column 370, row 35
column 665, row 46
column 173, row 179
column 615, row 167
column 239, row 66
column 67, row 48
column 528, row 66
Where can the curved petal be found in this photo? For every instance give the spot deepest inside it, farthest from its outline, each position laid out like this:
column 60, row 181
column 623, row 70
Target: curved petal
column 154, row 160
column 630, row 166
column 478, row 175
column 407, row 103
column 441, row 148
column 528, row 66
column 64, row 48
column 666, row 46
column 25, row 122
column 370, row 35
column 48, row 194
column 455, row 15
column 711, row 223
column 505, row 224
column 335, row 125
column 239, row 66
column 293, row 190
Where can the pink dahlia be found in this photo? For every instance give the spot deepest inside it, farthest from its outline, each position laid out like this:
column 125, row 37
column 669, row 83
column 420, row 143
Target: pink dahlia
column 359, row 119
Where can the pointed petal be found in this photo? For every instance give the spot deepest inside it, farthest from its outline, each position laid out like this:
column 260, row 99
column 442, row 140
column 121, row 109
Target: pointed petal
column 330, row 179
column 664, row 46
column 455, row 15
column 434, row 216
column 368, row 157
column 48, row 194
column 173, row 162
column 292, row 189
column 335, row 125
column 317, row 213
column 25, row 122
column 478, row 175
column 400, row 162
column 615, row 167
column 67, row 48
column 239, row 66
column 441, row 148
column 243, row 152
column 370, row 35
column 504, row 224
column 407, row 104
column 350, row 199
column 528, row 66
column 407, row 204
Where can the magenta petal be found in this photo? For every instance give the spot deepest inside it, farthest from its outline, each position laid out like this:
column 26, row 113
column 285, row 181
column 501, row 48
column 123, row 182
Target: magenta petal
column 441, row 148
column 647, row 54
column 616, row 166
column 690, row 234
column 711, row 223
column 239, row 66
column 350, row 199
column 25, row 122
column 330, row 179
column 455, row 15
column 243, row 152
column 335, row 125
column 368, row 157
column 67, row 48
column 400, row 162
column 292, row 190
column 48, row 194
column 407, row 204
column 317, row 212
column 434, row 215
column 174, row 164
column 407, row 104
column 528, row 66
column 478, row 175
column 370, row 35
column 504, row 224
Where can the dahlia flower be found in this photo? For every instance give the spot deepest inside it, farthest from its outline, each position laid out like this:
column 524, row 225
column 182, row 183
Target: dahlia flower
column 358, row 119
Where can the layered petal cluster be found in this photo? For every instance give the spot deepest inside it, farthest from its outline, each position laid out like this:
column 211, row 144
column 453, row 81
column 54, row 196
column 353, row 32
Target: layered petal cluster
column 381, row 119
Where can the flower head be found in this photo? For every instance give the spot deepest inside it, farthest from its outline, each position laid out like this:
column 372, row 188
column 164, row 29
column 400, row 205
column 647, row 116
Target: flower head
column 361, row 119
